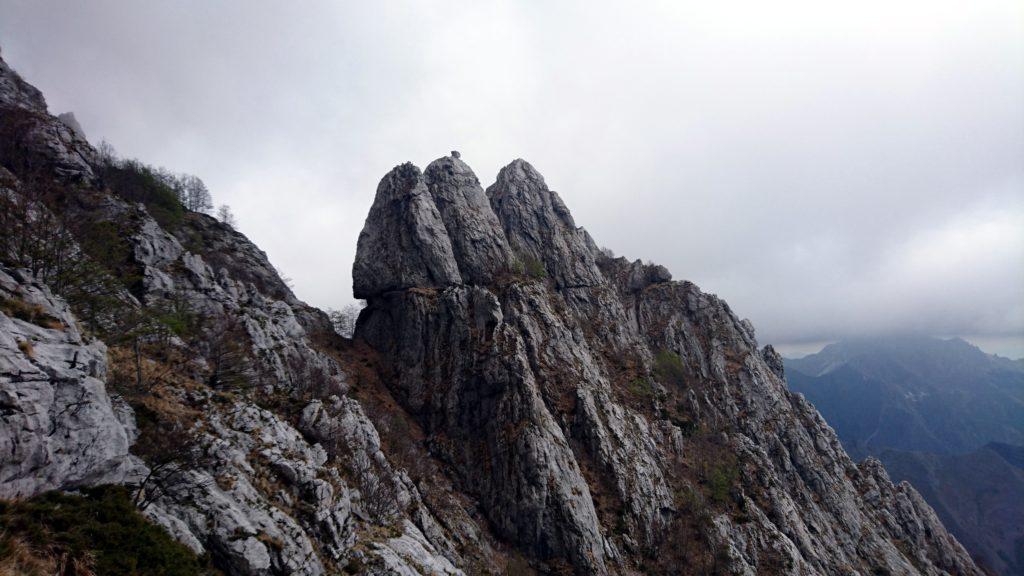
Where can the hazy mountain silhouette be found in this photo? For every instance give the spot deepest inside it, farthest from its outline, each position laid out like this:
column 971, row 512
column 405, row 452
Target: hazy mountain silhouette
column 940, row 414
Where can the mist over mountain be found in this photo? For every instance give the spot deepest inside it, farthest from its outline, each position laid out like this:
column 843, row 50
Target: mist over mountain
column 913, row 393
column 940, row 414
column 831, row 169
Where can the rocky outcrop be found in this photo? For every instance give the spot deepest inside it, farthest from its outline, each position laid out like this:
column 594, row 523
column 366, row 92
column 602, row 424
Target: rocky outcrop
column 60, row 429
column 540, row 228
column 34, row 143
column 602, row 413
column 69, row 120
column 478, row 244
column 413, row 249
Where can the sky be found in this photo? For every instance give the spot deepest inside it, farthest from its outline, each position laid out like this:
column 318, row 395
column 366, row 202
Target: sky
column 831, row 169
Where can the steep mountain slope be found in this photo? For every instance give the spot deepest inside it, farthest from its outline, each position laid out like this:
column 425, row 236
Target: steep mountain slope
column 931, row 411
column 513, row 401
column 246, row 443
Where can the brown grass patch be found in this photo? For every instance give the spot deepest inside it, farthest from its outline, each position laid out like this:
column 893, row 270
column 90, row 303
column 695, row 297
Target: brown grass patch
column 27, row 349
column 32, row 313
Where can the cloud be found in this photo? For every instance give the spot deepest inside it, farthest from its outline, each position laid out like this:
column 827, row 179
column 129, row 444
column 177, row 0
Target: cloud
column 829, row 168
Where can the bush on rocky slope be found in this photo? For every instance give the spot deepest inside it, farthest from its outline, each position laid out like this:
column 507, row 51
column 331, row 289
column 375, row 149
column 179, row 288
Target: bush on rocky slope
column 97, row 533
column 136, row 182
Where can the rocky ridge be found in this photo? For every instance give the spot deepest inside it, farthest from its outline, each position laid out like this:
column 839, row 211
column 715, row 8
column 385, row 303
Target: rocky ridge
column 513, row 401
column 261, row 491
column 584, row 400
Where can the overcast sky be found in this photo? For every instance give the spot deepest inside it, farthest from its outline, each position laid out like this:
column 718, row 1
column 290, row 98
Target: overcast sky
column 829, row 168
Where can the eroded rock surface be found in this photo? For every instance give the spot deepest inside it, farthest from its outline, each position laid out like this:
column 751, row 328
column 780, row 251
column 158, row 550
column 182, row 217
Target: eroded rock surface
column 604, row 414
column 60, row 429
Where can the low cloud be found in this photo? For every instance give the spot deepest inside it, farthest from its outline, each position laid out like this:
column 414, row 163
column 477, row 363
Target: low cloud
column 829, row 168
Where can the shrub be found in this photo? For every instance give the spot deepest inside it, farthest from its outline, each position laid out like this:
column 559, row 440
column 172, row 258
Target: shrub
column 720, row 481
column 110, row 248
column 641, row 388
column 534, row 267
column 100, row 532
column 669, row 368
column 529, row 265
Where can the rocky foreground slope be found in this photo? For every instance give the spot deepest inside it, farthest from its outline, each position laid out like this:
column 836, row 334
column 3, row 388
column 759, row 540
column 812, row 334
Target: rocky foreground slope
column 513, row 400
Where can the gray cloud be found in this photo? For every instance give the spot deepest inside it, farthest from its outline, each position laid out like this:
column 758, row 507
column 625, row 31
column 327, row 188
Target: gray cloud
column 829, row 168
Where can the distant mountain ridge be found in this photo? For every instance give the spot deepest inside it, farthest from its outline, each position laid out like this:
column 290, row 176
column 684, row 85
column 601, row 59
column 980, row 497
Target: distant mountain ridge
column 940, row 414
column 927, row 394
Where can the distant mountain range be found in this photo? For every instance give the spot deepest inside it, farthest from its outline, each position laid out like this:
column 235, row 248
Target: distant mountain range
column 941, row 414
column 942, row 396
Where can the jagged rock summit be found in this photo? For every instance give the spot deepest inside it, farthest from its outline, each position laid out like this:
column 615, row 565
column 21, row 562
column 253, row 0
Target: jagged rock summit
column 606, row 418
column 514, row 401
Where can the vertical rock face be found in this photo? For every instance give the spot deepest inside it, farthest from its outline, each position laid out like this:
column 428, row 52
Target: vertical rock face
column 477, row 239
column 411, row 248
column 608, row 419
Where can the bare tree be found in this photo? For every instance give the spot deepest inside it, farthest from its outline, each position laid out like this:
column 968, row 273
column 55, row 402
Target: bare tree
column 195, row 195
column 107, row 154
column 225, row 215
column 344, row 320
column 171, row 448
column 224, row 347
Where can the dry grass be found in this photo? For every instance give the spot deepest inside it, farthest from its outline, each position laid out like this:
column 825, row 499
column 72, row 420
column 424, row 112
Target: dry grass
column 21, row 559
column 32, row 313
column 160, row 369
column 27, row 349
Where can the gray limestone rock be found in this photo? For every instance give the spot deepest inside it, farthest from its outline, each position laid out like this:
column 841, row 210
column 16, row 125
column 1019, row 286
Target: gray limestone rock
column 477, row 239
column 404, row 243
column 69, row 120
column 60, row 429
column 589, row 431
column 540, row 228
column 40, row 141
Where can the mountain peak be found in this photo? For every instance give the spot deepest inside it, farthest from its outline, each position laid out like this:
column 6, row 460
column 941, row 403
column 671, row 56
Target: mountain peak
column 404, row 243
